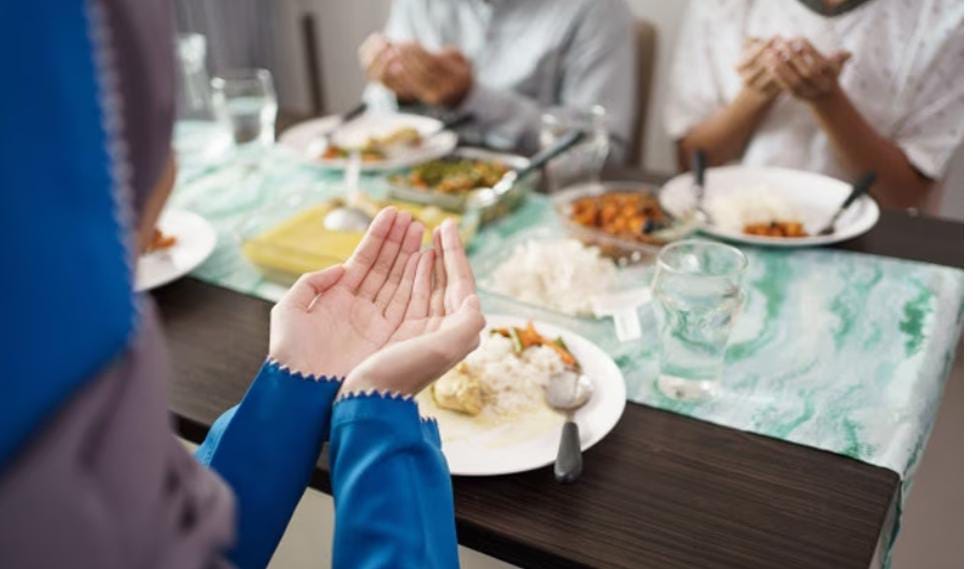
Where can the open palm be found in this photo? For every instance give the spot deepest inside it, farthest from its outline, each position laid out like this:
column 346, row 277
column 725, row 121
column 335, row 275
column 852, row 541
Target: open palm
column 387, row 292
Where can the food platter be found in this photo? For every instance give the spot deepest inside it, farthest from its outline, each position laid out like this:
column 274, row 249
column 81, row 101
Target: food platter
column 194, row 240
column 736, row 196
column 479, row 446
column 308, row 141
column 422, row 182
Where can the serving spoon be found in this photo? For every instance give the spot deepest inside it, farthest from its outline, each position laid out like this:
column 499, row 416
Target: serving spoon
column 348, row 217
column 859, row 189
column 568, row 391
column 483, row 198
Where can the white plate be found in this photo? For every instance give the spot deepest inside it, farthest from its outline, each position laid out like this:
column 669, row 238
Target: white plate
column 815, row 197
column 306, row 139
column 530, row 441
column 195, row 240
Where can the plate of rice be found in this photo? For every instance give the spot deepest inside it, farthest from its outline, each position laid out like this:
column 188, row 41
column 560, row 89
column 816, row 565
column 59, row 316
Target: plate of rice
column 771, row 206
column 491, row 408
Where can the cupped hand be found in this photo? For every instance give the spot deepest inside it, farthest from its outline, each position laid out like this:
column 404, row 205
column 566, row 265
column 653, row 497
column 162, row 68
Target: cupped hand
column 754, row 71
column 441, row 326
column 800, row 69
column 443, row 78
column 331, row 320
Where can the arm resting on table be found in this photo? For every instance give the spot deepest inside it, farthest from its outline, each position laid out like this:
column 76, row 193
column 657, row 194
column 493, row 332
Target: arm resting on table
column 266, row 448
column 392, row 492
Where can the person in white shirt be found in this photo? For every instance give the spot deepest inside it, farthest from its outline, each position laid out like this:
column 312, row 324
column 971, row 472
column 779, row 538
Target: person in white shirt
column 506, row 61
column 839, row 87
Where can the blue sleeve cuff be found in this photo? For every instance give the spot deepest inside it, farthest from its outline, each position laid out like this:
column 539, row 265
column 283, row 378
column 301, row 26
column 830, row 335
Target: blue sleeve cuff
column 391, row 486
column 266, row 448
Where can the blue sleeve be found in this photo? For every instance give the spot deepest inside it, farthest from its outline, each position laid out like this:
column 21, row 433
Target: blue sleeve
column 266, row 449
column 392, row 492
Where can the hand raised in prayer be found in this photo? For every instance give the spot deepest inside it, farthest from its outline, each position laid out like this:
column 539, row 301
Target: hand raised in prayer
column 442, row 79
column 801, row 70
column 381, row 62
column 331, row 320
column 441, row 326
column 754, row 71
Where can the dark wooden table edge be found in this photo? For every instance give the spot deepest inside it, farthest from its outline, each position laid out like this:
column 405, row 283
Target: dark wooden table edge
column 518, row 552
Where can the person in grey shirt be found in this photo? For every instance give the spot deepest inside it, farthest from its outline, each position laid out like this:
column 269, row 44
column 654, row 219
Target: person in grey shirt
column 505, row 62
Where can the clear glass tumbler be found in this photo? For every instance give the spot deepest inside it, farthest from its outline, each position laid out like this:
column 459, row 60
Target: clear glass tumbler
column 245, row 100
column 583, row 163
column 697, row 293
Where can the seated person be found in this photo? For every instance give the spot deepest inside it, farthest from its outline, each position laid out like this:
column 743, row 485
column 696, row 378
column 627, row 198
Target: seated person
column 505, row 62
column 838, row 87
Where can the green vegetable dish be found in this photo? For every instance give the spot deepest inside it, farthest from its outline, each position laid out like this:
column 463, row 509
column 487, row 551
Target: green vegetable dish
column 453, row 175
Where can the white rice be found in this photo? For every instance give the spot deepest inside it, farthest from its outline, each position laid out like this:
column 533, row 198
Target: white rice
column 734, row 210
column 560, row 274
column 512, row 383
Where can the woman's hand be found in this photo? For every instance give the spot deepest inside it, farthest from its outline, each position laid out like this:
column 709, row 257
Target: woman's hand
column 798, row 68
column 441, row 326
column 331, row 320
column 753, row 69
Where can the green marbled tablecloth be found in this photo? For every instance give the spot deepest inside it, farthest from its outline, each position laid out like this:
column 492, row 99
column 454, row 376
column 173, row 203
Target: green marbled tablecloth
column 835, row 350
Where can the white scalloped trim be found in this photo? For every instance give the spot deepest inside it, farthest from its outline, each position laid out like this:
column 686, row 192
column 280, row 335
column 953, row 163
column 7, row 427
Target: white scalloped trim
column 117, row 151
column 383, row 394
column 300, row 374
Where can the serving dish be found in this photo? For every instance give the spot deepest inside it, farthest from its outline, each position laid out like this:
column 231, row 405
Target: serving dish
column 623, row 248
column 194, row 240
column 309, row 140
column 398, row 185
column 810, row 198
column 530, row 440
column 287, row 238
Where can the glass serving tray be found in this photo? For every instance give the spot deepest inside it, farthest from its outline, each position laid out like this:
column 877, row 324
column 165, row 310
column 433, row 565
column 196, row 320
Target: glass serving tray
column 634, row 263
column 287, row 237
column 399, row 188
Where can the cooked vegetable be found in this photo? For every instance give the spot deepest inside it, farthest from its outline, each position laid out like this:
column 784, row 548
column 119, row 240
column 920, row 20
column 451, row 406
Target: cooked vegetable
column 160, row 241
column 377, row 148
column 337, row 152
column 528, row 337
column 776, row 229
column 630, row 215
column 453, row 175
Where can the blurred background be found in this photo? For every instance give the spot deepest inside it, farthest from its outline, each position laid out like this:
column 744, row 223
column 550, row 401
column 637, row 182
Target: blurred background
column 310, row 47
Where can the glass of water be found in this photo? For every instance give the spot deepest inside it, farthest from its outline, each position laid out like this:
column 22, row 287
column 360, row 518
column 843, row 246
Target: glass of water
column 697, row 291
column 245, row 100
column 583, row 163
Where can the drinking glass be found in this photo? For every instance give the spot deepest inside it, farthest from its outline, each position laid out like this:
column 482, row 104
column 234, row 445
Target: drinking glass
column 584, row 162
column 195, row 98
column 697, row 291
column 245, row 100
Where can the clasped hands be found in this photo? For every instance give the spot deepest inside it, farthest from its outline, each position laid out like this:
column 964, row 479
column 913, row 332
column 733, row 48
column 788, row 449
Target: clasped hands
column 415, row 74
column 773, row 66
column 393, row 317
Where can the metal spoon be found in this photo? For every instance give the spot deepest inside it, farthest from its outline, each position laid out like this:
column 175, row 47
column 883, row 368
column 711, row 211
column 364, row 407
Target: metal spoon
column 859, row 189
column 699, row 183
column 567, row 391
column 348, row 217
column 486, row 197
column 319, row 145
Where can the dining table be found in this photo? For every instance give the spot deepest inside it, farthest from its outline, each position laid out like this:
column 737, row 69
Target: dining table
column 663, row 489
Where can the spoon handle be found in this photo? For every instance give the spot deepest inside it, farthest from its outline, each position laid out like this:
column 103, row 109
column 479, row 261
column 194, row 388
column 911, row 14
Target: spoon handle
column 859, row 189
column 567, row 465
column 699, row 168
column 560, row 145
column 353, row 113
